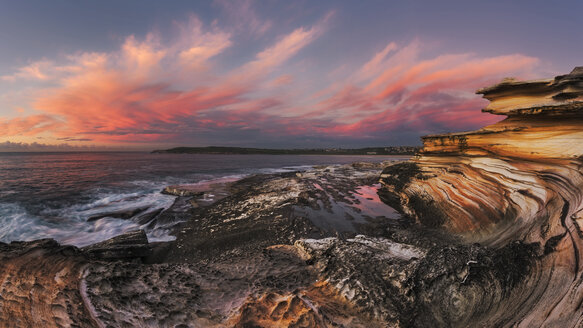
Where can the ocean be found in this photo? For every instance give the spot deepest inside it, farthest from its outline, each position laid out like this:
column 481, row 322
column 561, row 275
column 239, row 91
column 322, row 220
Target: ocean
column 52, row 195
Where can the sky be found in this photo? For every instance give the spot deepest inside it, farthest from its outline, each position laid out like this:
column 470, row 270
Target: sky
column 140, row 75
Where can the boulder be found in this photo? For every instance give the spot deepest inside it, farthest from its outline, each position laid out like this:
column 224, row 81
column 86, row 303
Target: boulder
column 184, row 191
column 122, row 214
column 133, row 244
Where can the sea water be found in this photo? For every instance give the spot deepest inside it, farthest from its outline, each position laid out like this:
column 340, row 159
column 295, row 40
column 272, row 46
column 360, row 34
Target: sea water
column 52, row 195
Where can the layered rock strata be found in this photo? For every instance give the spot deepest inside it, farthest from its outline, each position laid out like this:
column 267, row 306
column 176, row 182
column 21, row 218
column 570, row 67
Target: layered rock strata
column 519, row 180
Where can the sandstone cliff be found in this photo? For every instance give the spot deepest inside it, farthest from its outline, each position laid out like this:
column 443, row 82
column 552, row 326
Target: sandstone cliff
column 519, row 180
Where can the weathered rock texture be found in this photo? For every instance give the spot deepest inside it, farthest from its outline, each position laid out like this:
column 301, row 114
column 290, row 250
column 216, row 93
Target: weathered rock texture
column 519, row 180
column 224, row 270
column 40, row 286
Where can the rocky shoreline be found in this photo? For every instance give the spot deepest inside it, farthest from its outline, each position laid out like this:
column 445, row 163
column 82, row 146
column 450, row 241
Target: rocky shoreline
column 231, row 258
column 487, row 234
column 258, row 258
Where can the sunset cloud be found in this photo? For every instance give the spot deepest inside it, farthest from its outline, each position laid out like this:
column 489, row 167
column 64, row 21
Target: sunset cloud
column 177, row 90
column 9, row 146
column 397, row 89
column 34, row 71
column 28, row 126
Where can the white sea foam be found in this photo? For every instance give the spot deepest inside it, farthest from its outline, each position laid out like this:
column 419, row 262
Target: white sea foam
column 70, row 225
column 29, row 210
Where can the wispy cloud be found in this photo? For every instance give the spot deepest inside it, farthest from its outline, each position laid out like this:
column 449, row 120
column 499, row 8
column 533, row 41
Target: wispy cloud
column 29, row 125
column 243, row 17
column 398, row 90
column 38, row 70
column 9, row 146
column 178, row 90
column 134, row 93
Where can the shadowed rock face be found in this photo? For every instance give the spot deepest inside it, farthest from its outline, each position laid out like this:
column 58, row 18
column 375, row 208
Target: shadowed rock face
column 517, row 180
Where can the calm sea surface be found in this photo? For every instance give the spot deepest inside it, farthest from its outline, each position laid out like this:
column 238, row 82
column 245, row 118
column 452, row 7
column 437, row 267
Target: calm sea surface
column 51, row 195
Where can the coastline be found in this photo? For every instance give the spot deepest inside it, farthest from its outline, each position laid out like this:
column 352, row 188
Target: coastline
column 228, row 235
column 266, row 254
column 370, row 151
column 83, row 196
column 484, row 222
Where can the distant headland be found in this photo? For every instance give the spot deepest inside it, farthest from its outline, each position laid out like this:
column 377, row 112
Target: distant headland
column 392, row 150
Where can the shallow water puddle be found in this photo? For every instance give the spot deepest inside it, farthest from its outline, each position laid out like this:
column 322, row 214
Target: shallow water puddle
column 341, row 215
column 369, row 203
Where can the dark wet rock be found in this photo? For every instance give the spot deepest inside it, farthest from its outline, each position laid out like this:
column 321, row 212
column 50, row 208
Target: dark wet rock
column 461, row 285
column 446, row 285
column 123, row 214
column 367, row 165
column 179, row 212
column 188, row 201
column 184, row 190
column 207, row 294
column 399, row 175
column 147, row 217
column 130, row 245
column 264, row 210
column 18, row 248
column 371, row 273
column 140, row 296
column 158, row 252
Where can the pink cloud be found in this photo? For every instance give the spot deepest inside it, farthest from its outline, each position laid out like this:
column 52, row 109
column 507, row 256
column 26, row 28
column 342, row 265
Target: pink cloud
column 34, row 71
column 401, row 90
column 195, row 46
column 283, row 80
column 377, row 62
column 132, row 94
column 28, row 126
column 157, row 90
column 273, row 56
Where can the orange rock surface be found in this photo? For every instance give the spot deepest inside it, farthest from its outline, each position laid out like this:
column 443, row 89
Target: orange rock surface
column 520, row 179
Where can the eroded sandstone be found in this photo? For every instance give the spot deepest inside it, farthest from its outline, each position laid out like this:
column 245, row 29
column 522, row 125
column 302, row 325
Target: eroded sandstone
column 518, row 180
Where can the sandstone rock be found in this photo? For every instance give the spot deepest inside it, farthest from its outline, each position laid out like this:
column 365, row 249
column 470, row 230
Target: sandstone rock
column 516, row 180
column 562, row 96
column 542, row 125
column 39, row 285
